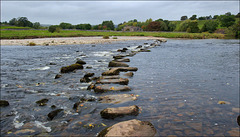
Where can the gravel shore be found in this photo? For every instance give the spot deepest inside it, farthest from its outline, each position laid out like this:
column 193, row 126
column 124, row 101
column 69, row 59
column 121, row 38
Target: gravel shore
column 71, row 40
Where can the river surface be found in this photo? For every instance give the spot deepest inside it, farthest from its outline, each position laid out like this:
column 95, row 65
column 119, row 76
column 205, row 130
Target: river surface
column 178, row 84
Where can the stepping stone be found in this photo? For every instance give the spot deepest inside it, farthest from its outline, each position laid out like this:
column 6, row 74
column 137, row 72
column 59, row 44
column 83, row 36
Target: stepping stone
column 129, row 74
column 116, row 99
column 123, row 60
column 113, row 71
column 111, row 113
column 110, row 77
column 105, row 88
column 4, row 103
column 119, row 56
column 121, row 81
column 129, row 128
column 125, row 69
column 117, row 64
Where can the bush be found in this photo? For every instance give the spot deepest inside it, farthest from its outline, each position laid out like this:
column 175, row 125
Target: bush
column 209, row 26
column 105, row 37
column 189, row 26
column 31, row 44
column 54, row 28
column 114, row 37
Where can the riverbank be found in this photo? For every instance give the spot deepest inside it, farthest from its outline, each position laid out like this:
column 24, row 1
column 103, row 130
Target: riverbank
column 72, row 40
column 30, row 34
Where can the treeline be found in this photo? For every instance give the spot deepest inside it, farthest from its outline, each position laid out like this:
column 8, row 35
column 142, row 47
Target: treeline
column 218, row 23
column 22, row 22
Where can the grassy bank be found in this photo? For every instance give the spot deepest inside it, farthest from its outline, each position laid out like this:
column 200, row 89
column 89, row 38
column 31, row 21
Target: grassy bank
column 24, row 34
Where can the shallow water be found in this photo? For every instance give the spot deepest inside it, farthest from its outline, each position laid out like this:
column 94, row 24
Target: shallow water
column 179, row 85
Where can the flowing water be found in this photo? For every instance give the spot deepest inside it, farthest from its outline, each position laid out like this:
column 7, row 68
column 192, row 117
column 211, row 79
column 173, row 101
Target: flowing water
column 178, row 84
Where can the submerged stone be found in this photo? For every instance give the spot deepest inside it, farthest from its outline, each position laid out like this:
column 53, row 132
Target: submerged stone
column 85, row 80
column 58, row 76
column 129, row 128
column 4, row 103
column 111, row 113
column 54, row 113
column 124, row 69
column 42, row 102
column 89, row 75
column 71, row 68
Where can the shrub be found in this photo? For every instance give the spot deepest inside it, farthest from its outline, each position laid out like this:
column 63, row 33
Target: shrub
column 114, row 37
column 31, row 44
column 105, row 37
column 209, row 26
column 54, row 28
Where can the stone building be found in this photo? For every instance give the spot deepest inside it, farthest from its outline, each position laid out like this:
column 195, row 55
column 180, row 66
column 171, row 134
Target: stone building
column 131, row 28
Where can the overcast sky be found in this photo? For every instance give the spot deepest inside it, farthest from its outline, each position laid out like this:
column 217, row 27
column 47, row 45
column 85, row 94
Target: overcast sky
column 94, row 12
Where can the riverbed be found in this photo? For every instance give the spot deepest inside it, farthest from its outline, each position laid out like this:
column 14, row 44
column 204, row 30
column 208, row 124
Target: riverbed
column 178, row 86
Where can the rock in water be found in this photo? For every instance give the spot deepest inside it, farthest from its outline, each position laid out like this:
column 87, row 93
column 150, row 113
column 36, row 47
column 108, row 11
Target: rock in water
column 80, row 62
column 121, row 81
column 42, row 102
column 116, row 99
column 105, row 88
column 89, row 75
column 111, row 113
column 129, row 128
column 123, row 60
column 113, row 71
column 54, row 113
column 117, row 64
column 71, row 68
column 238, row 120
column 129, row 74
column 3, row 103
column 58, row 76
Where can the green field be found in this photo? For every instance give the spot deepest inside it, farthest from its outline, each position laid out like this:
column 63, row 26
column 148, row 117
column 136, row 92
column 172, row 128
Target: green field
column 13, row 27
column 23, row 34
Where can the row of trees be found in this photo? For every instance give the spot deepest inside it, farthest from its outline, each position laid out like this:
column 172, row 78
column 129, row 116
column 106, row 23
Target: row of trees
column 194, row 17
column 24, row 22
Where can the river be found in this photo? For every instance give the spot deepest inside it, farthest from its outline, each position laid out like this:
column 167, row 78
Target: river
column 179, row 85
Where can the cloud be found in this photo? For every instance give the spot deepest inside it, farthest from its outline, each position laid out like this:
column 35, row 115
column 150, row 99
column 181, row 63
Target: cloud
column 94, row 12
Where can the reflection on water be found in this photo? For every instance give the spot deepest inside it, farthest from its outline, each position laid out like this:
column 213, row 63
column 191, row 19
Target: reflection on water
column 179, row 85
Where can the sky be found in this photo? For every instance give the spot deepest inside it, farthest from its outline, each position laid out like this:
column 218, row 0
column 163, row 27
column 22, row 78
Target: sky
column 94, row 12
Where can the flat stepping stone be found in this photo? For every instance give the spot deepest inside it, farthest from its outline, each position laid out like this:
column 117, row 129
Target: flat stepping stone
column 110, row 77
column 117, row 64
column 111, row 113
column 129, row 74
column 116, row 99
column 129, row 128
column 123, row 60
column 106, row 88
column 113, row 71
column 121, row 81
column 125, row 69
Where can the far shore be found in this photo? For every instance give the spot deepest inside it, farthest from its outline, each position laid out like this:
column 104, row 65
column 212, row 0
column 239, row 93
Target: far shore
column 71, row 40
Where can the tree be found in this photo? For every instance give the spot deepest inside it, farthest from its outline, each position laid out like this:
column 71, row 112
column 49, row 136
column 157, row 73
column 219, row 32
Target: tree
column 193, row 27
column 54, row 28
column 215, row 16
column 36, row 25
column 202, row 18
column 84, row 26
column 226, row 20
column 184, row 18
column 238, row 15
column 172, row 26
column 13, row 21
column 210, row 26
column 194, row 17
column 64, row 25
column 156, row 26
column 108, row 24
column 24, row 22
column 189, row 26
